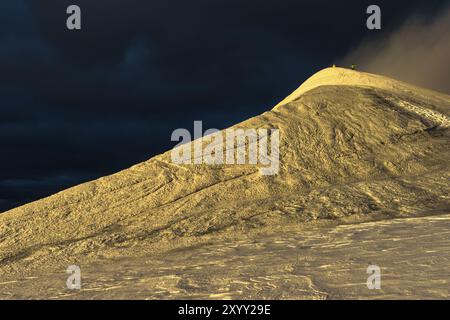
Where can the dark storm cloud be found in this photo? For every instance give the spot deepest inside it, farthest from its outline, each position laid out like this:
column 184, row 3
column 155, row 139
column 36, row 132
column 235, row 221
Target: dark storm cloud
column 75, row 105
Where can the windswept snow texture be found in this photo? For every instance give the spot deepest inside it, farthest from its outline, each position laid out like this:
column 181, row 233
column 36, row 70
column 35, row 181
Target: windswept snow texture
column 354, row 148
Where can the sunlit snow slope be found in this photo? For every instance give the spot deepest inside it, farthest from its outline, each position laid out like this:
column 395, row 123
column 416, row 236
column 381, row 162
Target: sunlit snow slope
column 353, row 146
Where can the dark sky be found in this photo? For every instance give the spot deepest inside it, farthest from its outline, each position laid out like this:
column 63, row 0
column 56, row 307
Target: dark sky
column 77, row 105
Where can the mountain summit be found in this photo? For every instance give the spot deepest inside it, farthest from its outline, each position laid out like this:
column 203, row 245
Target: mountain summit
column 353, row 147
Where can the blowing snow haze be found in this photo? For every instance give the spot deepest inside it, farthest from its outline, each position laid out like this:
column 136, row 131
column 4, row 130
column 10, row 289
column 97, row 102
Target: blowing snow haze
column 417, row 52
